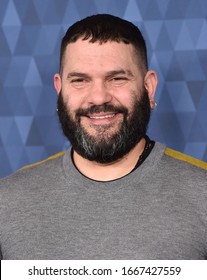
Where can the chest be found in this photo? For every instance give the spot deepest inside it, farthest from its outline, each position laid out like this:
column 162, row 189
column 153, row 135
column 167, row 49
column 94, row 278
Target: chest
column 102, row 227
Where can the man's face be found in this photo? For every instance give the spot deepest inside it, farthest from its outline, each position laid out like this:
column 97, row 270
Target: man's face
column 103, row 106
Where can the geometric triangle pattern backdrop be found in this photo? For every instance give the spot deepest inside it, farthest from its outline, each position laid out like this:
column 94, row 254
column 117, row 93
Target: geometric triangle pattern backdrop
column 30, row 34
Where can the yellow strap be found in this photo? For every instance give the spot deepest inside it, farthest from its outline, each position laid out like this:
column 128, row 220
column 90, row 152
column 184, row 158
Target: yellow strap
column 42, row 161
column 168, row 151
column 183, row 157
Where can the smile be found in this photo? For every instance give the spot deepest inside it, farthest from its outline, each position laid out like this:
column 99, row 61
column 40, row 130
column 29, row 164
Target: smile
column 102, row 117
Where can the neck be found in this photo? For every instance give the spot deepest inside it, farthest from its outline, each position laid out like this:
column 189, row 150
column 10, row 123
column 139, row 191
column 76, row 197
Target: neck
column 110, row 171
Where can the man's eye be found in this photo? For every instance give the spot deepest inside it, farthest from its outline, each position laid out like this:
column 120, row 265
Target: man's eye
column 119, row 80
column 78, row 80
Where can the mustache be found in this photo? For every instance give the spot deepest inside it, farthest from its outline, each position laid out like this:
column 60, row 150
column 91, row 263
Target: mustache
column 101, row 109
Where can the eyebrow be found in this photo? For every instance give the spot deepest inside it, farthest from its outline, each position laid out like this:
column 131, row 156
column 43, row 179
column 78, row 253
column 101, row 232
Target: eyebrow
column 119, row 72
column 76, row 74
column 108, row 74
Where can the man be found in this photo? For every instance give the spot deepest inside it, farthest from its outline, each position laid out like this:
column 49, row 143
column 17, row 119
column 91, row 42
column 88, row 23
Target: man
column 115, row 194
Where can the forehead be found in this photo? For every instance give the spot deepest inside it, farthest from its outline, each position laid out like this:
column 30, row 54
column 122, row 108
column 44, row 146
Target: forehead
column 83, row 51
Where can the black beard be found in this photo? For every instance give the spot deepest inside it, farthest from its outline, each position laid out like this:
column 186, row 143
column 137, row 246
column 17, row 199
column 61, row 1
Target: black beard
column 106, row 148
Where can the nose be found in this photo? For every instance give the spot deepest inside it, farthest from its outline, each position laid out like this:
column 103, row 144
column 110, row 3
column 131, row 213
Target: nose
column 99, row 94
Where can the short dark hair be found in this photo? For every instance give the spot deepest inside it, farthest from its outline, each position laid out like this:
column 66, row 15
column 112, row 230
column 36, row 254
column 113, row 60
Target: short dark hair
column 104, row 28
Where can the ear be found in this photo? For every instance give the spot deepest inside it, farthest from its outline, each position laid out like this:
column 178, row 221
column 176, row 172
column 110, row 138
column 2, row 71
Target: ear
column 57, row 83
column 150, row 83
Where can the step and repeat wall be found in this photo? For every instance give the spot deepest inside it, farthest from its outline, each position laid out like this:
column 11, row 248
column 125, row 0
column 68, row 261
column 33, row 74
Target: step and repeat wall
column 30, row 34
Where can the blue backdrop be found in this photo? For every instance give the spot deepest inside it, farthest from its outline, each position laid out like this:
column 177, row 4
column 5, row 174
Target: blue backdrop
column 30, row 33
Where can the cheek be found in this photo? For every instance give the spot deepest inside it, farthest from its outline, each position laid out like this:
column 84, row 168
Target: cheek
column 128, row 98
column 132, row 102
column 72, row 102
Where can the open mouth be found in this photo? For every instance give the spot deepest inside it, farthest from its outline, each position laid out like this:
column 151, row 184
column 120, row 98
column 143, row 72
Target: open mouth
column 102, row 114
column 103, row 118
column 100, row 117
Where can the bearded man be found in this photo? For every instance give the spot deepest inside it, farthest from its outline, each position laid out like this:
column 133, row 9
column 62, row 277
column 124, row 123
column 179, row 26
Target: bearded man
column 115, row 194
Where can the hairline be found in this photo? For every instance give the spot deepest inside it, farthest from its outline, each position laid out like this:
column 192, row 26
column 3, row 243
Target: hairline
column 140, row 62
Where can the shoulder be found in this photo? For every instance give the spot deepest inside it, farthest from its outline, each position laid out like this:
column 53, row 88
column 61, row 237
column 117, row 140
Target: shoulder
column 47, row 160
column 180, row 176
column 32, row 174
column 184, row 170
column 32, row 186
column 180, row 157
column 179, row 169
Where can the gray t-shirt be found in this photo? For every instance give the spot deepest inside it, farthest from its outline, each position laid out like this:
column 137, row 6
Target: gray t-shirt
column 52, row 211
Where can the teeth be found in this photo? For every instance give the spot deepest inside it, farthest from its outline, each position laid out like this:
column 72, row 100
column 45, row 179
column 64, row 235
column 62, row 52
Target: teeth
column 102, row 117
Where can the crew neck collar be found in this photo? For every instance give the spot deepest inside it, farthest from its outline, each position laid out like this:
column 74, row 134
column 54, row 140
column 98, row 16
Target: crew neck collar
column 149, row 144
column 138, row 175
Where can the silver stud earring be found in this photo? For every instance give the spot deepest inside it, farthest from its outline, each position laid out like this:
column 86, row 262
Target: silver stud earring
column 153, row 104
